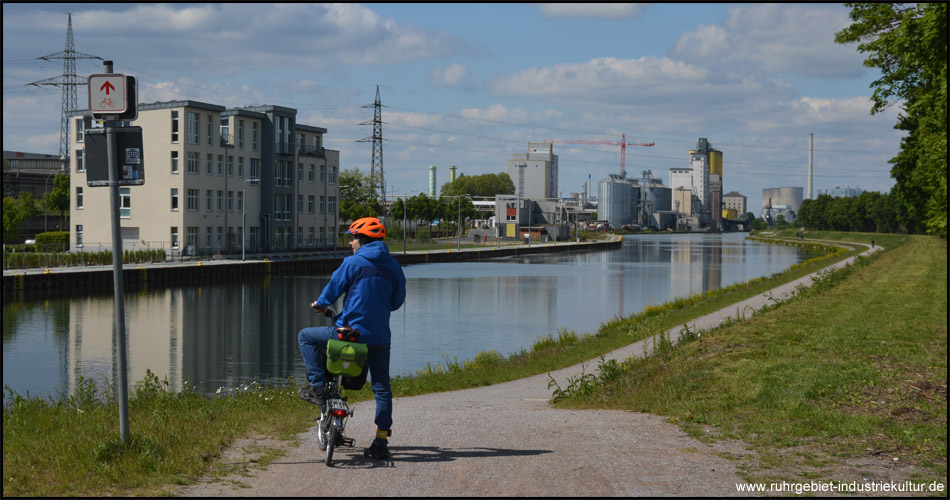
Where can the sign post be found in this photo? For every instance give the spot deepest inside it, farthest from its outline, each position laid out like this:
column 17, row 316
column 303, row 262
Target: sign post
column 112, row 97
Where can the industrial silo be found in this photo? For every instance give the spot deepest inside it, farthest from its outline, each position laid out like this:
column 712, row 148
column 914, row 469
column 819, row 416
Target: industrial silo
column 659, row 197
column 614, row 201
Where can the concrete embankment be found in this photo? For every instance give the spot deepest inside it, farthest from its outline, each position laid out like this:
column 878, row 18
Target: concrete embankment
column 29, row 284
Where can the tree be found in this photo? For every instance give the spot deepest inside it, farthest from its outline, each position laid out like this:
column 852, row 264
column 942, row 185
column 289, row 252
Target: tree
column 57, row 199
column 908, row 42
column 358, row 196
column 15, row 211
column 479, row 185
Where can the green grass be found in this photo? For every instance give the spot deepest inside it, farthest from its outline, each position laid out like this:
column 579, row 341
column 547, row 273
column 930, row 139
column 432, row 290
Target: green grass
column 70, row 446
column 855, row 366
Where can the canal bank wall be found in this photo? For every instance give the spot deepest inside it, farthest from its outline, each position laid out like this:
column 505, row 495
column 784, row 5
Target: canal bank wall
column 33, row 284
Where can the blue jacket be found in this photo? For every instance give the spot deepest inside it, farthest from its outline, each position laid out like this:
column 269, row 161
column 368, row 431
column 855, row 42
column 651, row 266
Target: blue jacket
column 374, row 285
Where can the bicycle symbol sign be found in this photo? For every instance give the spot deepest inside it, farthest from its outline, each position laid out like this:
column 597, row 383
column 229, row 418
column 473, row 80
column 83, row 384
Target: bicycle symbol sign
column 107, row 93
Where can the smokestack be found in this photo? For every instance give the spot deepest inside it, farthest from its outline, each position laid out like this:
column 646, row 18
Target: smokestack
column 452, row 173
column 811, row 152
column 432, row 181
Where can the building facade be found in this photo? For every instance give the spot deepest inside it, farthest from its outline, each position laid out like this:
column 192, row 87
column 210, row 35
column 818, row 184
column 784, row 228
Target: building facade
column 736, row 203
column 217, row 181
column 535, row 173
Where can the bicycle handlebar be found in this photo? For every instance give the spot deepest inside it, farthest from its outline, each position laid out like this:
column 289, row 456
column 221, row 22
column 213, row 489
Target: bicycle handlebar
column 326, row 311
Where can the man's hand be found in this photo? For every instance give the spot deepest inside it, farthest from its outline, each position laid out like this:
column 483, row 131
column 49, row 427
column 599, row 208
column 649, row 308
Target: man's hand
column 326, row 311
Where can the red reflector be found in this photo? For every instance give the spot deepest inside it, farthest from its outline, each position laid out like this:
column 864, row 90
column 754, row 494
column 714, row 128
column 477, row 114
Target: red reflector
column 339, row 413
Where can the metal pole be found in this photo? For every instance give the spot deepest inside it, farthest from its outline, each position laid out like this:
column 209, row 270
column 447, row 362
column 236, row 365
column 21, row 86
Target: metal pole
column 120, row 341
column 459, row 202
column 404, row 230
column 243, row 219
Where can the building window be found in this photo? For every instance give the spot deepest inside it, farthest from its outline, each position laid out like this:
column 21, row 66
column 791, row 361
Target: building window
column 174, row 199
column 322, row 204
column 299, row 172
column 79, row 197
column 331, row 204
column 192, row 127
column 80, row 166
column 210, row 130
column 225, row 130
column 220, row 164
column 220, row 200
column 220, row 236
column 208, row 163
column 323, row 174
column 125, row 203
column 78, row 235
column 299, row 236
column 240, row 166
column 230, row 166
column 311, row 173
column 255, row 168
column 254, row 136
column 299, row 203
column 175, row 126
column 191, row 239
column 310, row 236
column 208, row 237
column 174, row 162
column 174, row 234
column 332, row 177
column 240, row 201
column 208, row 205
column 230, row 201
column 80, row 129
column 193, row 199
column 193, row 161
column 240, row 137
column 311, row 203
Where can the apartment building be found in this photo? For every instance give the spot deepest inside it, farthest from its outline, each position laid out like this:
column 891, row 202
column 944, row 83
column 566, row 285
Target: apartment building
column 217, row 181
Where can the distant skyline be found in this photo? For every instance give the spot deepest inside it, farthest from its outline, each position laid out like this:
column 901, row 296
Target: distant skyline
column 471, row 84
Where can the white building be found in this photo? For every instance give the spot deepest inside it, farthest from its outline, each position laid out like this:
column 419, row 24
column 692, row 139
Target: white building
column 216, row 180
column 534, row 174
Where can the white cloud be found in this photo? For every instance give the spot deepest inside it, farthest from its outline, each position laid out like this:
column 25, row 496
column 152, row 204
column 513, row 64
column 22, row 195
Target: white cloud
column 455, row 76
column 773, row 38
column 593, row 10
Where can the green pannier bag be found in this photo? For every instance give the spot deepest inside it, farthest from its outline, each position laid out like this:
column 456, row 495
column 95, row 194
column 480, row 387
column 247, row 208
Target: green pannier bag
column 345, row 358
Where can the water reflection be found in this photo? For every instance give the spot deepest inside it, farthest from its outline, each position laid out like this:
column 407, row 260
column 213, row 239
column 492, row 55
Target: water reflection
column 221, row 335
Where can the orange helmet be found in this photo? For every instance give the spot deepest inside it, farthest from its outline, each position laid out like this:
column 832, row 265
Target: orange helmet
column 369, row 226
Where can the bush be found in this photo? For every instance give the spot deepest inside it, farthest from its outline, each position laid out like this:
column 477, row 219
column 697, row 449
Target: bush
column 53, row 241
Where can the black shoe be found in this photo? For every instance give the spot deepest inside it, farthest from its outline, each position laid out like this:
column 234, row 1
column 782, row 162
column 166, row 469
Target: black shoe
column 315, row 395
column 377, row 451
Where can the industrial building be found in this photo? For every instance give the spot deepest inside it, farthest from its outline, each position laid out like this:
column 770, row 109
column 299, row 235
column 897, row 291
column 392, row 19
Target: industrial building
column 217, row 180
column 842, row 192
column 534, row 173
column 643, row 202
column 734, row 206
column 784, row 201
column 704, row 178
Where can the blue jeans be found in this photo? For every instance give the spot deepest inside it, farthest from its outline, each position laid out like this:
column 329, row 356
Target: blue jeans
column 313, row 348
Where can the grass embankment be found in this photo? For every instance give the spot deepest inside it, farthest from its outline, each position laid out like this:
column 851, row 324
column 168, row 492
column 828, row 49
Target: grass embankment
column 851, row 369
column 71, row 447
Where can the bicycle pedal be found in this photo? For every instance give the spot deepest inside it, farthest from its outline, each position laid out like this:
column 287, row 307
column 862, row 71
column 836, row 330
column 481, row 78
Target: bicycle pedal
column 349, row 442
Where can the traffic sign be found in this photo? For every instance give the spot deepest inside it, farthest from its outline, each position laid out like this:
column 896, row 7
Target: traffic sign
column 107, row 95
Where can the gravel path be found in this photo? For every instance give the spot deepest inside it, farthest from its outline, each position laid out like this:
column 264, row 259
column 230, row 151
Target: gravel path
column 506, row 439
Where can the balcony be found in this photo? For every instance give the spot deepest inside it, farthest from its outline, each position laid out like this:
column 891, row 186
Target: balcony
column 286, row 148
column 304, row 149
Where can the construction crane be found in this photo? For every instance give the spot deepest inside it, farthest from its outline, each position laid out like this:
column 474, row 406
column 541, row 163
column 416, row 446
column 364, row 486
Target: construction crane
column 623, row 147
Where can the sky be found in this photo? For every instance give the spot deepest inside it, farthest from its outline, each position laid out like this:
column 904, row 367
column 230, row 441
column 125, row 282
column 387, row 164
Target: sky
column 472, row 84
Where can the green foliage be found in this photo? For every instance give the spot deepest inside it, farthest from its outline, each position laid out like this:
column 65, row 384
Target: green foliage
column 53, row 241
column 759, row 224
column 868, row 212
column 908, row 42
column 359, row 195
column 15, row 211
column 479, row 185
column 57, row 200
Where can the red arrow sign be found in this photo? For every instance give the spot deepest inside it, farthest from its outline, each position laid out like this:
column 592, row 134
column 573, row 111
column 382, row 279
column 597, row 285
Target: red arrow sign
column 107, row 86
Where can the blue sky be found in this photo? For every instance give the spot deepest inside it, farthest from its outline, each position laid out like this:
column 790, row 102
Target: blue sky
column 471, row 84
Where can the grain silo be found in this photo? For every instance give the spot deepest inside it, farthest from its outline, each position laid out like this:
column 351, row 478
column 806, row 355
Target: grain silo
column 614, row 200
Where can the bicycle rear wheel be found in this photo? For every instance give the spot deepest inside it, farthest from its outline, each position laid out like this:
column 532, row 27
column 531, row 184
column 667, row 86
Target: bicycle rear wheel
column 323, row 426
column 332, row 437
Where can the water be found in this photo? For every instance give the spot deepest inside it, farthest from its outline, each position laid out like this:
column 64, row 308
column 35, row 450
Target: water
column 223, row 335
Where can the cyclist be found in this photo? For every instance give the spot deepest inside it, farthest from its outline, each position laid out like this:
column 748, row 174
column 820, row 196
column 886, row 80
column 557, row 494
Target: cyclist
column 375, row 286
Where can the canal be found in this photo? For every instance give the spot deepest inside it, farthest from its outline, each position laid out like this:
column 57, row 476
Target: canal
column 220, row 336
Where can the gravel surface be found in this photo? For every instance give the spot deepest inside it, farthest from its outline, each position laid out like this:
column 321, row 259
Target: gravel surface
column 505, row 440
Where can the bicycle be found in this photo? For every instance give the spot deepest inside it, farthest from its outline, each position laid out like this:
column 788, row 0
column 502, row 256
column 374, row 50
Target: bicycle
column 344, row 358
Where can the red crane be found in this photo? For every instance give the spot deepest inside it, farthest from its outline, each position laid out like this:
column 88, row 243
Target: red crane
column 623, row 146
